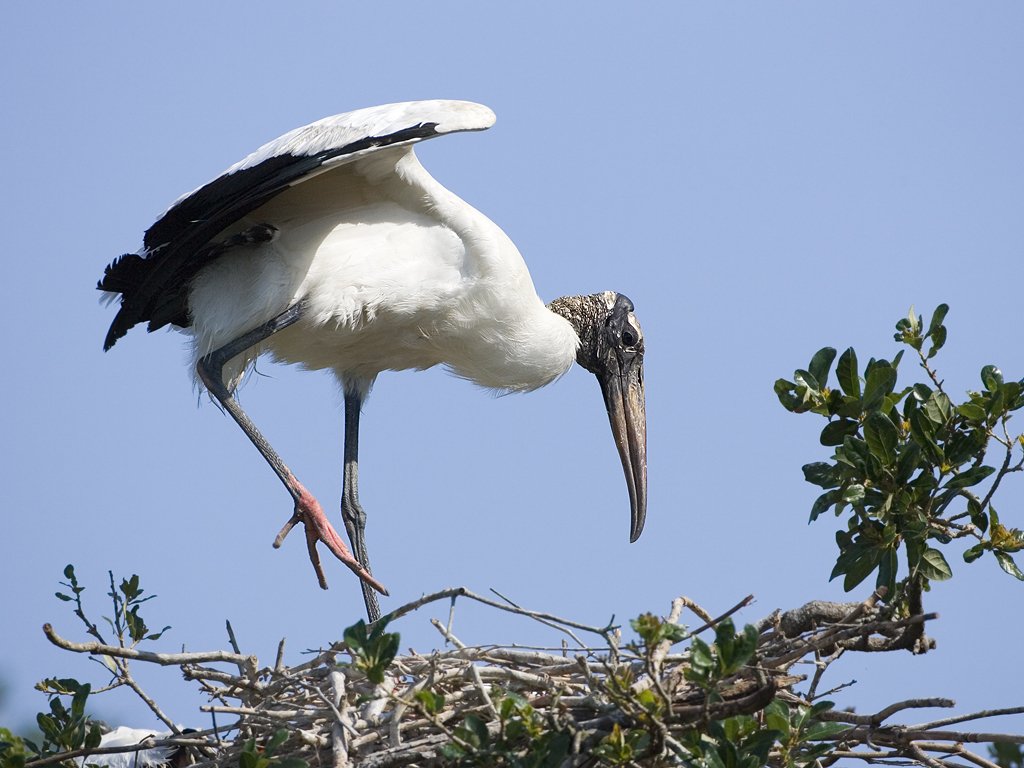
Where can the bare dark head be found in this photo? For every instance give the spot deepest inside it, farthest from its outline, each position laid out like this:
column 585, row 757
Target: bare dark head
column 612, row 348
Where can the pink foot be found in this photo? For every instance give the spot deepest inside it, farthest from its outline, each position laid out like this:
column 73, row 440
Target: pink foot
column 318, row 528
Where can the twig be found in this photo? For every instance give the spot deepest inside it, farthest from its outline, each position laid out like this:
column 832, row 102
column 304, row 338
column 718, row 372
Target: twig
column 463, row 592
column 163, row 659
column 964, row 718
column 339, row 743
column 884, row 714
column 716, row 621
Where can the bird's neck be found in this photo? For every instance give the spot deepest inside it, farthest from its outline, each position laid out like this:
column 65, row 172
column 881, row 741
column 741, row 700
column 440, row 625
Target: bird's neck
column 584, row 314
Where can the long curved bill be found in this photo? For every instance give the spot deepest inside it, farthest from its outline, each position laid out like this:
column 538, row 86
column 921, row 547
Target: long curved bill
column 624, row 398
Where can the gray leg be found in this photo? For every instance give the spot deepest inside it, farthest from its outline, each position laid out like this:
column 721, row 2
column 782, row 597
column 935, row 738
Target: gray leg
column 307, row 510
column 351, row 510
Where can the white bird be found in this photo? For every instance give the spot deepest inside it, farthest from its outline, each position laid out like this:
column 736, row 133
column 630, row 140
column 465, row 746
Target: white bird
column 331, row 247
column 134, row 754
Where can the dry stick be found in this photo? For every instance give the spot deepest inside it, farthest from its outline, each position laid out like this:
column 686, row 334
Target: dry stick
column 402, row 704
column 964, row 718
column 884, row 714
column 463, row 592
column 838, row 633
column 125, row 675
column 921, row 757
column 451, row 617
column 339, row 745
column 820, row 666
column 709, row 623
column 896, row 735
column 279, row 661
column 268, row 714
column 868, row 757
column 553, row 624
column 446, row 633
column 475, row 672
column 958, row 749
column 231, row 637
column 163, row 659
column 697, row 610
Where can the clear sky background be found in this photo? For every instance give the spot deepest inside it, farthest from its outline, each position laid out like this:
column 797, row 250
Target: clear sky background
column 761, row 179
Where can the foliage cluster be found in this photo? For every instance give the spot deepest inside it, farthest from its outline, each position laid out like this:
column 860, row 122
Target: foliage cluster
column 909, row 463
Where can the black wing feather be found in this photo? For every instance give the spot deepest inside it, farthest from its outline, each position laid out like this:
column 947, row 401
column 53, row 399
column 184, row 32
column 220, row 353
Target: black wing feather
column 154, row 287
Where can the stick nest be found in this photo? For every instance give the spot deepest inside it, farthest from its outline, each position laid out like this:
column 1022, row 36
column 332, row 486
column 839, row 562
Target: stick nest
column 425, row 709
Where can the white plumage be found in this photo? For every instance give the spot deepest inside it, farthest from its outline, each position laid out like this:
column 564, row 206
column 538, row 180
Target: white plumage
column 124, row 736
column 333, row 248
column 396, row 273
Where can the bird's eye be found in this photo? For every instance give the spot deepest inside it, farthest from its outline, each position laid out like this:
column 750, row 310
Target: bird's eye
column 628, row 338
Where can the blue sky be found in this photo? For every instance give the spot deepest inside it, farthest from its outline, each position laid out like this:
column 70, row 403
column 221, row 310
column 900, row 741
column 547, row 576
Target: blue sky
column 761, row 179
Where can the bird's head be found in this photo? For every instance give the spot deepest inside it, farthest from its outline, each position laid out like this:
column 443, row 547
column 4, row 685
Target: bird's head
column 612, row 348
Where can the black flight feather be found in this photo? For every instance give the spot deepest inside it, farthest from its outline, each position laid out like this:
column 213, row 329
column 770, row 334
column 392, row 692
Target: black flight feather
column 154, row 288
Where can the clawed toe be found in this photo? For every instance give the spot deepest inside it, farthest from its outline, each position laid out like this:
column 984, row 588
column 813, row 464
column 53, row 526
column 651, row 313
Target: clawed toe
column 318, row 528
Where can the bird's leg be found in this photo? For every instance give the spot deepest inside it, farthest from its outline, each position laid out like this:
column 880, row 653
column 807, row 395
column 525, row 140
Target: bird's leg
column 351, row 510
column 307, row 510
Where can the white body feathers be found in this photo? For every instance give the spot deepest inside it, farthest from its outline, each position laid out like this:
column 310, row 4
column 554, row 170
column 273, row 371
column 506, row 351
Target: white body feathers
column 395, row 272
column 124, row 736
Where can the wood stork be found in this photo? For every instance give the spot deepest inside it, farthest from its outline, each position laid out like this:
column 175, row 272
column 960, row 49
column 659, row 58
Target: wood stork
column 331, row 247
column 145, row 755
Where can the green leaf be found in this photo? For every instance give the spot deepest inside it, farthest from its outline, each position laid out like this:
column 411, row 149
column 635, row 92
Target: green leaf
column 978, row 517
column 478, row 728
column 846, row 370
column 882, row 437
column 937, row 317
column 776, row 717
column 965, row 446
column 910, row 460
column 822, row 474
column 921, row 392
column 923, row 431
column 279, row 737
column 130, row 587
column 821, row 364
column 1007, row 564
column 860, row 569
column 888, row 564
column 807, row 379
column 971, row 411
column 974, row 553
column 971, row 477
column 881, row 380
column 854, row 453
column 431, row 702
column 822, row 503
column 835, row 431
column 938, row 338
column 934, row 566
column 991, row 377
column 908, row 330
column 821, row 731
column 938, row 408
column 853, row 493
column 700, row 656
column 856, row 561
column 786, row 392
column 1009, row 395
